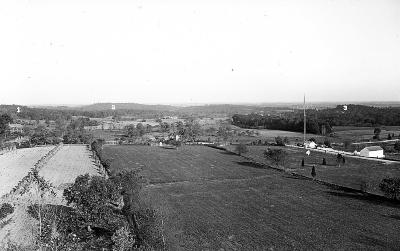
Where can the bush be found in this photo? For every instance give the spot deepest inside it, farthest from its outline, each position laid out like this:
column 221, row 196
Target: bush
column 363, row 186
column 277, row 156
column 391, row 187
column 5, row 210
column 327, row 143
column 241, row 148
column 397, row 146
column 123, row 240
column 279, row 141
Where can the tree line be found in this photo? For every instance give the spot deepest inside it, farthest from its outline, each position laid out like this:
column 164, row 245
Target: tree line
column 321, row 121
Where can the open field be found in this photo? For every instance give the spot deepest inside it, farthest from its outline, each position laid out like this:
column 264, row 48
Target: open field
column 187, row 163
column 16, row 164
column 105, row 134
column 69, row 162
column 353, row 174
column 360, row 134
column 212, row 200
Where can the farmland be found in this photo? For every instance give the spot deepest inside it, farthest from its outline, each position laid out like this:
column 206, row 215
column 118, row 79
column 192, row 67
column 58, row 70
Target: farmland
column 16, row 164
column 210, row 199
column 360, row 134
column 354, row 173
column 69, row 162
column 60, row 167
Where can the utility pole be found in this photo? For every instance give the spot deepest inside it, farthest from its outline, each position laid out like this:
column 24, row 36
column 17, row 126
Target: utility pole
column 304, row 118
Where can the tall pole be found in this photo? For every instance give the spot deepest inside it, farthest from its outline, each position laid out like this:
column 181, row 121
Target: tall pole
column 304, row 116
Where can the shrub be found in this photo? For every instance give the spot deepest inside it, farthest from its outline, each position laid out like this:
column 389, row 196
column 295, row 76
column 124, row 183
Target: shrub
column 123, row 240
column 277, row 156
column 313, row 173
column 279, row 141
column 241, row 148
column 327, row 143
column 363, row 185
column 391, row 187
column 397, row 146
column 5, row 210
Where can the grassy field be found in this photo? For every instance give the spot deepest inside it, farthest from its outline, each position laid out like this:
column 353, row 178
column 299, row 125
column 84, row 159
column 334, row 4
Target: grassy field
column 105, row 134
column 211, row 200
column 359, row 134
column 354, row 173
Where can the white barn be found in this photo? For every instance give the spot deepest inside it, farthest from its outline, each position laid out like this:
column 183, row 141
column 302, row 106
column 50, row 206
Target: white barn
column 311, row 144
column 372, row 152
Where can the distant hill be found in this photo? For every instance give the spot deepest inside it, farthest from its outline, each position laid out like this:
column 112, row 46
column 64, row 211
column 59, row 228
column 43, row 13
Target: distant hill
column 125, row 106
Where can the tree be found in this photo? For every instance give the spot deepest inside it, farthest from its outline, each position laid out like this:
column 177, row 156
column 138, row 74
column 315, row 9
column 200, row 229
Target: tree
column 279, row 141
column 95, row 199
column 223, row 132
column 61, row 127
column 277, row 156
column 5, row 120
column 313, row 173
column 327, row 142
column 192, row 130
column 41, row 188
column 241, row 148
column 131, row 131
column 148, row 128
column 377, row 132
column 391, row 187
column 140, row 129
column 397, row 146
column 340, row 159
column 347, row 143
column 164, row 127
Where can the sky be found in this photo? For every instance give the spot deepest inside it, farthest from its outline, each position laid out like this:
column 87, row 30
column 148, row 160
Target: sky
column 158, row 52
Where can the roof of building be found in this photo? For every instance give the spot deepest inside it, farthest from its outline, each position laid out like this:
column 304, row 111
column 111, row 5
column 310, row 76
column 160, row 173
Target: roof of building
column 373, row 148
column 16, row 126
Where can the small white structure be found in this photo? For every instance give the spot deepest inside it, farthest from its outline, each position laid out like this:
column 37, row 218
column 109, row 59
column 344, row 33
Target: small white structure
column 372, row 152
column 311, row 144
column 16, row 128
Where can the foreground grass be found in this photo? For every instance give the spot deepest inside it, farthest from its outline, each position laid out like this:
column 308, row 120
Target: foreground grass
column 354, row 173
column 233, row 205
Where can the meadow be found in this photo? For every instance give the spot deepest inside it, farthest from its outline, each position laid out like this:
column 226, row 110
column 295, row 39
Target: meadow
column 362, row 134
column 212, row 200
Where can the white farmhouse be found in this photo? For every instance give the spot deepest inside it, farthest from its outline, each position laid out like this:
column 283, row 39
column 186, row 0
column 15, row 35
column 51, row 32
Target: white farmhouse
column 311, row 144
column 372, row 152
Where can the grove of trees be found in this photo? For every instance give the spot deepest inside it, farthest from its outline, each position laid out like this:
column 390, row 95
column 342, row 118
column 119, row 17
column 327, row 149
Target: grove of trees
column 319, row 121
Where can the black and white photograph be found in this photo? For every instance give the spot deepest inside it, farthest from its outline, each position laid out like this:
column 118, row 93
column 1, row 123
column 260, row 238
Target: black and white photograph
column 138, row 125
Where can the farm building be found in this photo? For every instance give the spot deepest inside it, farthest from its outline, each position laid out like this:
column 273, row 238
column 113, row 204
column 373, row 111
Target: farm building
column 372, row 152
column 16, row 128
column 311, row 144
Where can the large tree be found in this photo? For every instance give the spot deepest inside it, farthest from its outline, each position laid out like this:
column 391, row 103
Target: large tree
column 5, row 120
